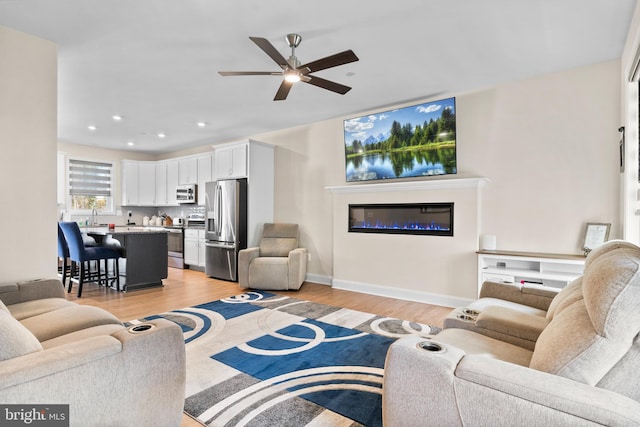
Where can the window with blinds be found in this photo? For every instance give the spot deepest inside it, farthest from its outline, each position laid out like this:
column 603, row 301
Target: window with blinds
column 90, row 185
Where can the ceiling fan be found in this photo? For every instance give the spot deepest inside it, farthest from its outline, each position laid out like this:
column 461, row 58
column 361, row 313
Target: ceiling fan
column 293, row 72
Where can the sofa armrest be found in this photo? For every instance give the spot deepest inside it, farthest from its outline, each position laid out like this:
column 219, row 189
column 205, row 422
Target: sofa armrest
column 534, row 296
column 555, row 399
column 511, row 322
column 139, row 377
column 245, row 256
column 297, row 267
column 39, row 365
column 14, row 293
column 461, row 389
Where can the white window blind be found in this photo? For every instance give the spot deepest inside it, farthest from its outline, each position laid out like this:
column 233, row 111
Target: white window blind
column 88, row 178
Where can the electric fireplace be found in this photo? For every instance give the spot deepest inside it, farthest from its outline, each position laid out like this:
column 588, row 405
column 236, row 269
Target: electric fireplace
column 435, row 219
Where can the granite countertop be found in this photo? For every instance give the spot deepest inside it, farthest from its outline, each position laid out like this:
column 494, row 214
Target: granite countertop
column 123, row 229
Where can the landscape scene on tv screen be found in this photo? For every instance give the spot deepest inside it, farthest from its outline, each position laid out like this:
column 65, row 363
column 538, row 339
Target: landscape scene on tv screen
column 416, row 141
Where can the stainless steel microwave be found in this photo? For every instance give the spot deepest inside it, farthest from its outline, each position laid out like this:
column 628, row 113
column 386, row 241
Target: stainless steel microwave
column 186, row 193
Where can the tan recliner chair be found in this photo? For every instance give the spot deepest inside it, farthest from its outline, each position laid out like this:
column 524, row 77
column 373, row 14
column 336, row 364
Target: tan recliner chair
column 278, row 264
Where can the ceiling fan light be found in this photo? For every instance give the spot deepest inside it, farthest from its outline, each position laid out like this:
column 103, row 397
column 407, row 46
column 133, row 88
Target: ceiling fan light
column 292, row 76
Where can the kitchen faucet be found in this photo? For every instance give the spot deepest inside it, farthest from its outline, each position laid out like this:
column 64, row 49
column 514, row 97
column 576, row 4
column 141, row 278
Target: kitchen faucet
column 94, row 216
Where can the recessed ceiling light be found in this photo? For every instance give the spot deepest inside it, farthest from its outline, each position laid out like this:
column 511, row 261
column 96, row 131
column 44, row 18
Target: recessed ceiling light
column 91, row 127
column 161, row 135
column 201, row 124
column 130, row 143
column 117, row 117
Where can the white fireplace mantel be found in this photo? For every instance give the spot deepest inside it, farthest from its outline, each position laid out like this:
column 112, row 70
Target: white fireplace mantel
column 439, row 184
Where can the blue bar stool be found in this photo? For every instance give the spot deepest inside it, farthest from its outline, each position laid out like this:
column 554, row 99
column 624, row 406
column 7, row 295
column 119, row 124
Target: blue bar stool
column 63, row 253
column 80, row 254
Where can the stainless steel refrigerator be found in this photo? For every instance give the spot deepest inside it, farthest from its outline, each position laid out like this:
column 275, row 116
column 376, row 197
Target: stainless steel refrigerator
column 226, row 227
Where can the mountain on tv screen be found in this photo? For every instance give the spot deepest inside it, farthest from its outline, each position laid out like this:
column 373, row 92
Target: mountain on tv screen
column 416, row 141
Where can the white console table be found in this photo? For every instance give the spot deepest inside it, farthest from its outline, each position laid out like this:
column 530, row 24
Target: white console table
column 554, row 270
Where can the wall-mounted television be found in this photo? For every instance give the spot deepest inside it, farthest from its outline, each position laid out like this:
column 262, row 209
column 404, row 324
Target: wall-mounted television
column 416, row 141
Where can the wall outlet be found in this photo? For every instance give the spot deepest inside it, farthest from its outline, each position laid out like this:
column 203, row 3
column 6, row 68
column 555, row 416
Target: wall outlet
column 308, row 256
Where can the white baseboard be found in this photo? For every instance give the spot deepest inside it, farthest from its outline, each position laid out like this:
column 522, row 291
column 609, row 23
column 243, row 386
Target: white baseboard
column 403, row 294
column 318, row 278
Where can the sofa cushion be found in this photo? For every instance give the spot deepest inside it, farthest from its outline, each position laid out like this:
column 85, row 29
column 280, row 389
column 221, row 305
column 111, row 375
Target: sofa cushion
column 82, row 334
column 60, row 322
column 567, row 296
column 36, row 307
column 606, row 248
column 482, row 303
column 278, row 239
column 269, row 273
column 3, row 307
column 587, row 338
column 624, row 377
column 16, row 339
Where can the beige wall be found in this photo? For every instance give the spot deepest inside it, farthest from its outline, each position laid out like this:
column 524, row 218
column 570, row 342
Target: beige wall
column 550, row 147
column 28, row 103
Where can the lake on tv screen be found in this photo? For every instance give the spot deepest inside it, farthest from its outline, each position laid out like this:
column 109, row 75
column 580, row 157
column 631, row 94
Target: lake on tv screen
column 414, row 163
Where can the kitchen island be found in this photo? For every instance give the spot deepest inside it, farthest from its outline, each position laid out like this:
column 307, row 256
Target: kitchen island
column 143, row 250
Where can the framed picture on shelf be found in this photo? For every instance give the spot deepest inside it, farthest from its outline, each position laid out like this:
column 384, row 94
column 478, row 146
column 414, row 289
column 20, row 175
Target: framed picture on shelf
column 595, row 235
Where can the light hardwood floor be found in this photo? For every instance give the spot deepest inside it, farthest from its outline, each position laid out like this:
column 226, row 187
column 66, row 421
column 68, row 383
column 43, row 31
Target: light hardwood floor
column 184, row 288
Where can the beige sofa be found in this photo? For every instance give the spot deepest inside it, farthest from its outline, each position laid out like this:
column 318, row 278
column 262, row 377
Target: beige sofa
column 517, row 313
column 583, row 369
column 58, row 352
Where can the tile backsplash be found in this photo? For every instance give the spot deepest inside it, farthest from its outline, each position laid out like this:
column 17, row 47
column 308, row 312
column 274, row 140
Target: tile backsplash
column 137, row 214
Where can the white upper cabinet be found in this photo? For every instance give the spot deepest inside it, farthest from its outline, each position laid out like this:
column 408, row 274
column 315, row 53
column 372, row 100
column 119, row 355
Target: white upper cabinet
column 147, row 184
column 173, row 180
column 255, row 161
column 138, row 183
column 231, row 161
column 154, row 183
column 205, row 174
column 188, row 170
column 130, row 183
column 162, row 196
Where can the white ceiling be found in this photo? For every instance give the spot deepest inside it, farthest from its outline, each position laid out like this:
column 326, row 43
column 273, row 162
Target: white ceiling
column 155, row 62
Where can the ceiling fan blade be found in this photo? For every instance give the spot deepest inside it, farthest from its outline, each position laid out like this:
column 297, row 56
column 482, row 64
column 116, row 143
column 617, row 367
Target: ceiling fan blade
column 250, row 73
column 330, row 61
column 327, row 84
column 283, row 91
column 273, row 53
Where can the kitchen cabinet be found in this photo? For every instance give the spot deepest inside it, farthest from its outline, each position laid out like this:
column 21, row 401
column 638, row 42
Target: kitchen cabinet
column 162, row 196
column 205, row 174
column 231, row 160
column 145, row 263
column 138, row 183
column 188, row 170
column 253, row 160
column 173, row 180
column 202, row 259
column 191, row 247
column 147, row 184
column 130, row 183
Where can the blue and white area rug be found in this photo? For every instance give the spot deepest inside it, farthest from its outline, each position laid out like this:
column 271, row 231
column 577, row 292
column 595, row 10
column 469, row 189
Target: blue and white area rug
column 261, row 359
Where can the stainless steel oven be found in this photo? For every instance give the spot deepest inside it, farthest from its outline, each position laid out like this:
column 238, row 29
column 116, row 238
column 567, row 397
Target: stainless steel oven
column 175, row 242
